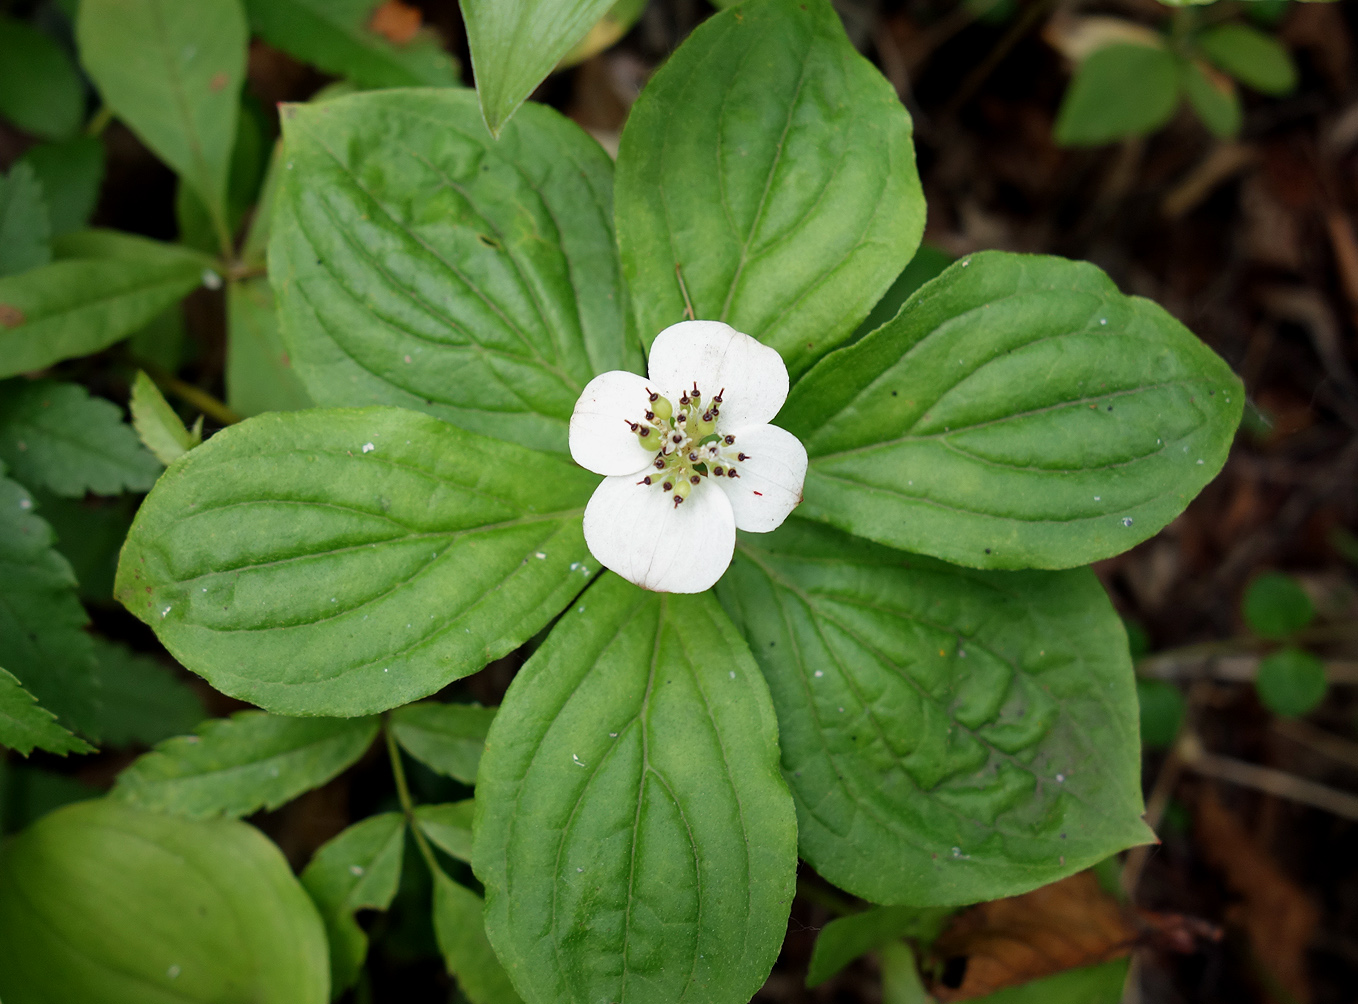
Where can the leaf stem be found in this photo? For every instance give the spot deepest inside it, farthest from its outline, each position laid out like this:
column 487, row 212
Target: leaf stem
column 99, row 122
column 398, row 774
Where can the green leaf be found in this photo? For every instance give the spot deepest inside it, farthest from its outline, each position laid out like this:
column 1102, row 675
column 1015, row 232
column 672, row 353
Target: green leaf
column 105, row 904
column 40, row 90
column 345, row 562
column 1162, row 711
column 249, row 157
column 929, row 263
column 461, row 933
column 24, row 725
column 333, row 35
column 172, row 71
column 90, row 533
column 56, row 435
column 949, row 735
column 1019, row 412
column 1253, row 57
column 24, row 226
column 447, row 738
column 1086, row 985
column 846, row 938
column 449, row 826
column 1291, row 682
column 28, row 793
column 901, row 983
column 420, row 263
column 606, row 32
column 773, row 165
column 158, row 425
column 515, row 45
column 239, row 765
column 1213, row 97
column 357, row 870
column 42, row 624
column 633, row 833
column 1120, row 90
column 71, row 173
column 106, row 287
column 259, row 374
column 1276, row 606
column 142, row 701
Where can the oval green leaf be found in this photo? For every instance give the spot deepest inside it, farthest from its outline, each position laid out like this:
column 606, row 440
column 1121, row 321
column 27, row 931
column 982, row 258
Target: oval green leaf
column 40, row 90
column 105, row 904
column 1019, row 412
column 773, row 166
column 449, row 826
column 1253, row 57
column 633, row 833
column 447, row 738
column 420, row 263
column 1118, row 91
column 345, row 562
column 949, row 735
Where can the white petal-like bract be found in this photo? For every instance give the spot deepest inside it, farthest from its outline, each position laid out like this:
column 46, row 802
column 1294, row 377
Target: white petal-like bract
column 600, row 438
column 749, row 375
column 771, row 476
column 637, row 531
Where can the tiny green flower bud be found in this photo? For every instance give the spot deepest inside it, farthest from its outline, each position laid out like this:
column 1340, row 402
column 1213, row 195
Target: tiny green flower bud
column 681, row 489
column 661, row 407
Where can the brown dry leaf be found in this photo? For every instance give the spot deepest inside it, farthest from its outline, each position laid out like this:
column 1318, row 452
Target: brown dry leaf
column 1276, row 915
column 1023, row 938
column 396, row 22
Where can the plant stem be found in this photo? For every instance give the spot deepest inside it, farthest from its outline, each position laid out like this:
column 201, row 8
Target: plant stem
column 398, row 773
column 99, row 122
column 186, row 391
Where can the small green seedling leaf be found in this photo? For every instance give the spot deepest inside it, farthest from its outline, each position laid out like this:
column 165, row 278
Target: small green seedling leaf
column 25, row 724
column 768, row 169
column 447, row 738
column 449, row 826
column 461, row 932
column 158, row 425
column 71, row 173
column 1162, row 712
column 1253, row 57
column 239, row 765
column 1275, row 606
column 1120, row 90
column 359, row 869
column 633, row 830
column 1212, row 95
column 24, row 225
column 1291, row 682
column 515, row 45
column 102, row 902
column 40, row 89
column 846, row 938
column 1086, row 985
column 58, row 436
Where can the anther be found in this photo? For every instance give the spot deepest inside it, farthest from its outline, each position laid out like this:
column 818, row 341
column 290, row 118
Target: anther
column 660, row 463
column 695, row 479
column 668, row 486
column 717, row 399
column 695, row 395
column 645, row 481
column 732, row 473
column 654, row 397
column 631, row 425
column 718, row 471
column 650, row 416
column 683, row 399
column 729, row 440
column 677, row 437
column 707, row 415
column 742, row 456
column 677, row 500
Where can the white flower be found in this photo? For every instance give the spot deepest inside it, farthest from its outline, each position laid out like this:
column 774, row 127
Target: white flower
column 689, row 454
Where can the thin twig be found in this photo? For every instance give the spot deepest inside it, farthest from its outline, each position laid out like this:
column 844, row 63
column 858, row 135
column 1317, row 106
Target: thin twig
column 1274, row 782
column 1033, row 13
column 1231, row 668
column 1328, row 744
column 398, row 773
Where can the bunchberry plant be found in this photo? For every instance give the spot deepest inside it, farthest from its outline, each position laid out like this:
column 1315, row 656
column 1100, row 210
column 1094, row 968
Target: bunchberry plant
column 828, row 602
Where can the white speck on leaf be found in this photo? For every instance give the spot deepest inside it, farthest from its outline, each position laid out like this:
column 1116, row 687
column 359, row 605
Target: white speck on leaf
column 165, row 611
column 820, row 673
column 355, row 869
column 578, row 761
column 539, row 555
column 173, row 972
column 211, row 280
column 368, row 447
column 25, row 503
column 733, row 674
column 1126, row 521
column 1060, row 779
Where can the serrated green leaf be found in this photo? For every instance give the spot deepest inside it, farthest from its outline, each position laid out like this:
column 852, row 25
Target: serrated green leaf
column 24, row 724
column 1019, row 412
column 24, row 226
column 259, row 374
column 1253, row 57
column 104, row 287
column 57, row 436
column 460, row 929
column 90, row 533
column 333, row 35
column 105, row 904
column 447, row 738
column 172, row 71
column 1275, row 606
column 40, row 90
column 357, row 870
column 141, row 700
column 1120, row 90
column 1213, row 97
column 71, row 173
column 420, row 263
column 158, row 425
column 515, row 45
column 28, row 793
column 846, row 938
column 345, row 562
column 449, row 826
column 949, row 735
column 773, row 165
column 633, row 833
column 1291, row 682
column 239, row 765
column 42, row 624
column 1086, row 985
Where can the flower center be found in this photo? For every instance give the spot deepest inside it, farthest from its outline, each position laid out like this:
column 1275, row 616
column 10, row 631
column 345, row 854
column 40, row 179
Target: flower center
column 687, row 443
